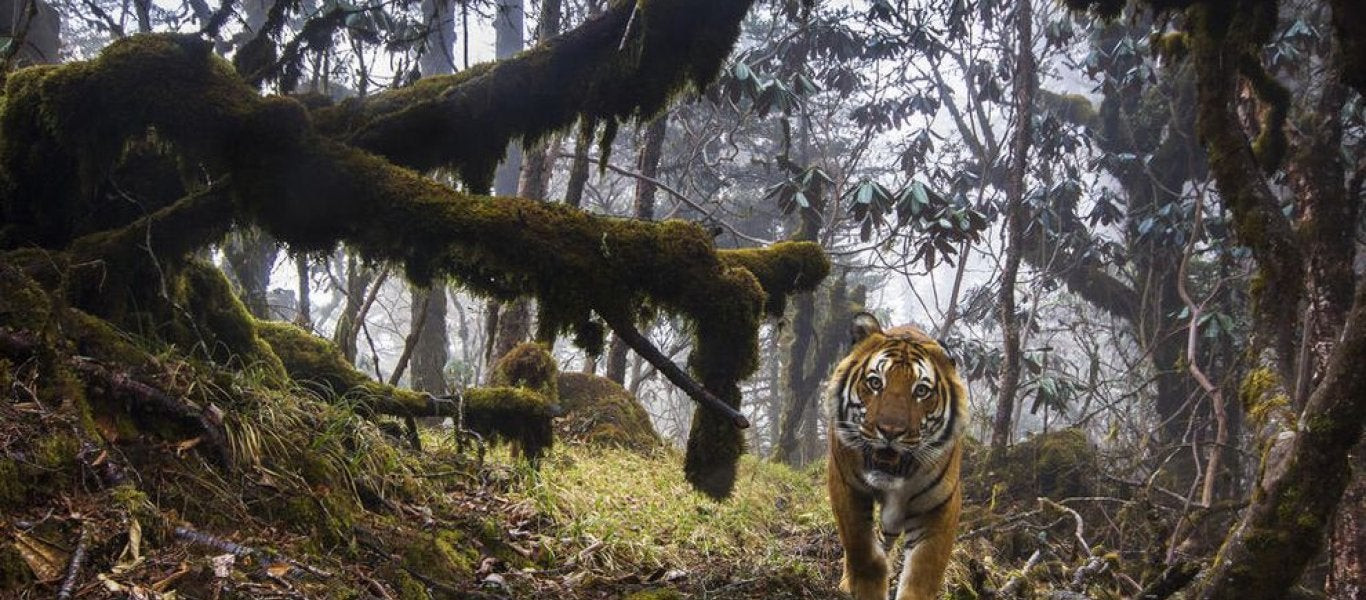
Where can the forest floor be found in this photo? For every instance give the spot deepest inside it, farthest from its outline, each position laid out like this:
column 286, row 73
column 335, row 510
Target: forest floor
column 592, row 522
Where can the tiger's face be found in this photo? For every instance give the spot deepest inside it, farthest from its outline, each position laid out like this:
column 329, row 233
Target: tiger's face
column 897, row 399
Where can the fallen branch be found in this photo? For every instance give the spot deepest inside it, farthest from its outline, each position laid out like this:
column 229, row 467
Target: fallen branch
column 73, row 569
column 1012, row 587
column 208, row 419
column 1173, row 579
column 1076, row 518
column 265, row 558
column 647, row 350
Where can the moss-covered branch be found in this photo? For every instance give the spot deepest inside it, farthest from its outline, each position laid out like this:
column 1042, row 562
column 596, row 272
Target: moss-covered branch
column 313, row 192
column 1223, row 35
column 600, row 70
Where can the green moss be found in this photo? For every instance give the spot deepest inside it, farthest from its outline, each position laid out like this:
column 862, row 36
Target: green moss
column 600, row 412
column 409, row 588
column 1071, row 108
column 511, row 415
column 1271, row 144
column 1057, row 464
column 23, row 303
column 783, row 269
column 309, row 358
column 65, row 128
column 56, row 451
column 1259, row 395
column 444, row 555
column 527, row 365
column 325, row 515
column 1171, row 46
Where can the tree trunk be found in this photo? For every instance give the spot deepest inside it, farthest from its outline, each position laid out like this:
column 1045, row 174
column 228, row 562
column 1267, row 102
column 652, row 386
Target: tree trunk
column 514, row 318
column 431, row 347
column 1301, row 483
column 358, row 297
column 509, row 39
column 432, row 351
column 578, row 170
column 647, row 164
column 40, row 26
column 801, row 331
column 1010, row 326
column 304, row 316
column 438, row 48
column 615, row 369
column 536, row 171
column 250, row 254
column 1347, row 543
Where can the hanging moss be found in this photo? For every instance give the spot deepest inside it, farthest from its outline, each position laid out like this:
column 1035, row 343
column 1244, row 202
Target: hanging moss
column 464, row 121
column 312, row 193
column 599, row 412
column 783, row 269
column 511, row 415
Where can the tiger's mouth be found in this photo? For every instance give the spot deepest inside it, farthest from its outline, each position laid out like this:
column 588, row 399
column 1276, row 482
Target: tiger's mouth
column 887, row 460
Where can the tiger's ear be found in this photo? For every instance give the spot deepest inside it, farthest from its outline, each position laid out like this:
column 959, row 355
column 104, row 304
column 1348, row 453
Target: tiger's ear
column 865, row 324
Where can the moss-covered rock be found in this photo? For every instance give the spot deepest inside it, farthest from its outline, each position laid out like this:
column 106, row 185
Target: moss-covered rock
column 600, row 412
column 527, row 365
column 1057, row 464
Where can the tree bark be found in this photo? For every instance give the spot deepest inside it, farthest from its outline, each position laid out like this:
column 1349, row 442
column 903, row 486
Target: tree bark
column 304, row 316
column 509, row 39
column 1297, row 492
column 432, row 350
column 647, row 164
column 438, row 48
column 250, row 254
column 1025, row 81
column 578, row 169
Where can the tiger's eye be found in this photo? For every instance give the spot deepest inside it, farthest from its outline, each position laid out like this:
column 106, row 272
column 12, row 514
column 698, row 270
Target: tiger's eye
column 922, row 390
column 875, row 383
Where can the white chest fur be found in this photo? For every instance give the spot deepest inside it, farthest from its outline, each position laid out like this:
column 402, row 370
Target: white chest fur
column 904, row 500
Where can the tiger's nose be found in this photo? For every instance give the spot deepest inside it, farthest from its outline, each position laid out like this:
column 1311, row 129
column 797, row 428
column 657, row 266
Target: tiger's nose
column 891, row 432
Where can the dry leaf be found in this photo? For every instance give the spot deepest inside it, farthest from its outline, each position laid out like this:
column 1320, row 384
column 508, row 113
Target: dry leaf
column 45, row 560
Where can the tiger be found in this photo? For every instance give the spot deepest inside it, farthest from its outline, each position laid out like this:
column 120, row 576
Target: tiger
column 897, row 413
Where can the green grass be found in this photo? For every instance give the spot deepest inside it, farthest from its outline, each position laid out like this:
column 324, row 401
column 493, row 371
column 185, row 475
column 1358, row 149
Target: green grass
column 645, row 515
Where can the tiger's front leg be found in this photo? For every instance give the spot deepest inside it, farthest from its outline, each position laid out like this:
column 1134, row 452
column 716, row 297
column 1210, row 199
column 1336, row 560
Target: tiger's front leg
column 922, row 573
column 865, row 563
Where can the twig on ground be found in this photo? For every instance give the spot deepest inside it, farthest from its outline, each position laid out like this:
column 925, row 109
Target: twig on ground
column 1012, row 587
column 73, row 569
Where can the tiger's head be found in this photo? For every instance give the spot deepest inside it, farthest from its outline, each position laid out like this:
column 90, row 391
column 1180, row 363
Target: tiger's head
column 896, row 398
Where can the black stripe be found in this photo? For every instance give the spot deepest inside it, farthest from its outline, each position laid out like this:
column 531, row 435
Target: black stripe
column 942, row 502
column 937, row 478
